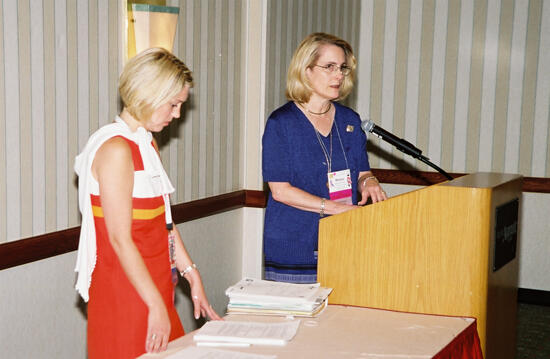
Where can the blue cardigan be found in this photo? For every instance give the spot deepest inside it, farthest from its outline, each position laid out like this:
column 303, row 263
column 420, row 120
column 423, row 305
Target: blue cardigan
column 292, row 153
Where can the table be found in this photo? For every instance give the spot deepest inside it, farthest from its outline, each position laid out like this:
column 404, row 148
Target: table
column 355, row 332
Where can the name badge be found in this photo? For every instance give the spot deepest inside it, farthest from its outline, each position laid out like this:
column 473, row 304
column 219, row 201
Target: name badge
column 339, row 186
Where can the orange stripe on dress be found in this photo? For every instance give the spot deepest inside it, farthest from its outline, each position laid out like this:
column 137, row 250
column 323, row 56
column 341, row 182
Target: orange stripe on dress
column 142, row 208
column 136, row 212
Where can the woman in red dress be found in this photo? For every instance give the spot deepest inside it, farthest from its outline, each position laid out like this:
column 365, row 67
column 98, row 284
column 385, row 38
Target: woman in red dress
column 129, row 250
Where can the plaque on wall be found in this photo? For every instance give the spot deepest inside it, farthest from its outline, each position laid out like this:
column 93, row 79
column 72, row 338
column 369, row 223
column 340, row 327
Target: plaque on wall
column 506, row 233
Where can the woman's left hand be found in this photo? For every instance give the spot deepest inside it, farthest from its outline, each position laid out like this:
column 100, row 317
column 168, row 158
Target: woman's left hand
column 200, row 303
column 371, row 188
column 202, row 307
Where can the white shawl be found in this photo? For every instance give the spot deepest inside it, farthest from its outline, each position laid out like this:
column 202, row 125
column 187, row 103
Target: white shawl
column 86, row 258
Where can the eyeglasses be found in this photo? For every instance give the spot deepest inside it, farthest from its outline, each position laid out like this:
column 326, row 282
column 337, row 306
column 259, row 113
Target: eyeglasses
column 332, row 68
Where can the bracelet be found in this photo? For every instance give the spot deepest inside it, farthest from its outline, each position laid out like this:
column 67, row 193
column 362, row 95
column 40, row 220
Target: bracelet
column 368, row 178
column 322, row 211
column 188, row 269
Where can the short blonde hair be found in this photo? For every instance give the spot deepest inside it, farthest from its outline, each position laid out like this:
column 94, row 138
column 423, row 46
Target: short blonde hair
column 306, row 55
column 151, row 79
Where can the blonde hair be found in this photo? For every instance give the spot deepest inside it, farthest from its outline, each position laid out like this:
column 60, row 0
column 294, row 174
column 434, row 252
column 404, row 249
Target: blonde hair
column 151, row 79
column 306, row 55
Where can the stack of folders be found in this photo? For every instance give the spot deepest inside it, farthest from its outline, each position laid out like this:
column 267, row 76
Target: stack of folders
column 256, row 296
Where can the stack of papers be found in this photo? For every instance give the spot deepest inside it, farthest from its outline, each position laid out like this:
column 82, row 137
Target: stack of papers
column 218, row 333
column 256, row 296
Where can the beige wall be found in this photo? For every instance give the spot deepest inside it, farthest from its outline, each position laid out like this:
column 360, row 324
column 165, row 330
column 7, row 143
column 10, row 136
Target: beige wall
column 464, row 80
column 58, row 72
column 42, row 316
column 289, row 22
column 534, row 249
column 59, row 65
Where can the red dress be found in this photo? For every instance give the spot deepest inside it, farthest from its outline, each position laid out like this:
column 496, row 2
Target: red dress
column 117, row 316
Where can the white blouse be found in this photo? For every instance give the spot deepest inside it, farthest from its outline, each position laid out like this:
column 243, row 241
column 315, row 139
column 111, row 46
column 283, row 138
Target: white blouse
column 151, row 182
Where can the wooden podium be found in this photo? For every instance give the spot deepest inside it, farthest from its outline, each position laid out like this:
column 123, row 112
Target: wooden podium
column 447, row 249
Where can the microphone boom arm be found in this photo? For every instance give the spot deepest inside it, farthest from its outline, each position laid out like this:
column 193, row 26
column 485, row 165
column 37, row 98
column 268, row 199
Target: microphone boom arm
column 401, row 144
column 426, row 160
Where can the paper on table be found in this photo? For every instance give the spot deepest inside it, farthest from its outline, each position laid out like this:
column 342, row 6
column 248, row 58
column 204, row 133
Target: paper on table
column 248, row 332
column 207, row 353
column 287, row 303
column 278, row 311
column 251, row 288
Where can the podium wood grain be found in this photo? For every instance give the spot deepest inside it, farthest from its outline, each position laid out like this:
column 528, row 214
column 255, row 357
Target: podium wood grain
column 428, row 251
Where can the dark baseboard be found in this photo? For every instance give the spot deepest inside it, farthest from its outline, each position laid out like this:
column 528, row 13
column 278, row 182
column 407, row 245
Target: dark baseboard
column 534, row 296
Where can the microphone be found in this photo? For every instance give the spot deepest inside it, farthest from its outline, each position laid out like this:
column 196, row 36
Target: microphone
column 399, row 143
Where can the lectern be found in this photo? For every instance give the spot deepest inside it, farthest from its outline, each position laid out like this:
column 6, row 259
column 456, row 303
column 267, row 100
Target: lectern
column 447, row 249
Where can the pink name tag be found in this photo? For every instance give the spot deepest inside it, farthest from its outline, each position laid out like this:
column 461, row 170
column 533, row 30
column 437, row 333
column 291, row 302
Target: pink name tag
column 339, row 186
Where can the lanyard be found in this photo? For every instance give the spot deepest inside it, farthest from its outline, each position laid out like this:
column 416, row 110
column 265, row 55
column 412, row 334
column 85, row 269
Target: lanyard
column 328, row 155
column 171, row 238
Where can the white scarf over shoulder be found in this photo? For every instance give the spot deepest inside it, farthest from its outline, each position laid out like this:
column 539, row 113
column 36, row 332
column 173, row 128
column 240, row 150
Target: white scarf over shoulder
column 86, row 258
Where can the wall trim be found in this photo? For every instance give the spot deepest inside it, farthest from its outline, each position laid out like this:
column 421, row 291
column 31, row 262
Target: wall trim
column 530, row 184
column 47, row 245
column 534, row 296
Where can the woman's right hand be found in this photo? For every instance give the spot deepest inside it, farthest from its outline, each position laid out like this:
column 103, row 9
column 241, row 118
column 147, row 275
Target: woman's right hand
column 158, row 329
column 333, row 207
column 286, row 193
column 200, row 302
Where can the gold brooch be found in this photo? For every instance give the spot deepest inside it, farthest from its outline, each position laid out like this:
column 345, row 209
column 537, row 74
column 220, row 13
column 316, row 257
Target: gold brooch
column 349, row 128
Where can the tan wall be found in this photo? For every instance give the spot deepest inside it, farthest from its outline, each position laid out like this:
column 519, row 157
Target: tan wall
column 58, row 72
column 464, row 80
column 57, row 85
column 43, row 317
column 289, row 22
column 59, row 66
